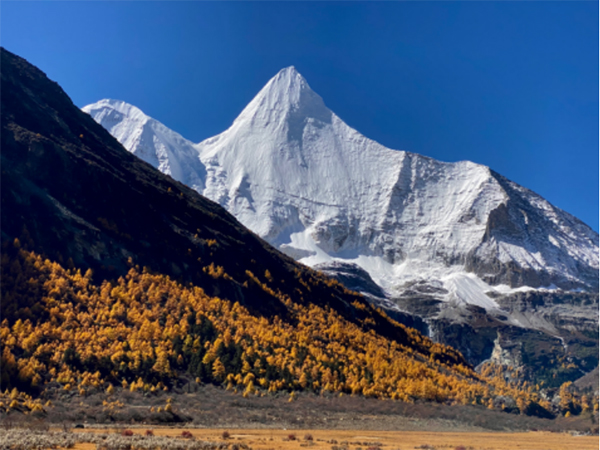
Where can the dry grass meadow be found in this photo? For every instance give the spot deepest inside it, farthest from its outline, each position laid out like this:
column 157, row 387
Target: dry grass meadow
column 272, row 439
column 272, row 423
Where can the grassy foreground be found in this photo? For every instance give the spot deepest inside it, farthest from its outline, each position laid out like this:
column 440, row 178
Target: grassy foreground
column 392, row 440
column 270, row 439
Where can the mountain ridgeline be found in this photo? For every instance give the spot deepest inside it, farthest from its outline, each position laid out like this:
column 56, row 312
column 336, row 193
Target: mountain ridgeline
column 115, row 274
column 72, row 193
column 454, row 249
column 297, row 175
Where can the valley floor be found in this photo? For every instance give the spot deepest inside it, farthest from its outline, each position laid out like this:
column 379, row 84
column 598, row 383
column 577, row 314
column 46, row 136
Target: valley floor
column 208, row 406
column 271, row 439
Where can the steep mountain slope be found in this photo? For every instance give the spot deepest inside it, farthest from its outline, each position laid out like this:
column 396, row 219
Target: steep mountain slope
column 441, row 240
column 293, row 172
column 71, row 192
column 214, row 303
column 152, row 142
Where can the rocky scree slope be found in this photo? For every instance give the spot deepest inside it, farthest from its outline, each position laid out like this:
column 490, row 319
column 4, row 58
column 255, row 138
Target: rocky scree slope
column 451, row 243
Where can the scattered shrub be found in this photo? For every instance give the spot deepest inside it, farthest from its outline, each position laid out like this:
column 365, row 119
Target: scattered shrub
column 308, row 437
column 239, row 446
column 187, row 435
column 291, row 437
column 225, row 435
column 149, row 433
column 127, row 433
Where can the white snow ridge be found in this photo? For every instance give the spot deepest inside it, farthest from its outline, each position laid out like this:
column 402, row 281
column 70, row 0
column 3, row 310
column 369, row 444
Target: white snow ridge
column 290, row 170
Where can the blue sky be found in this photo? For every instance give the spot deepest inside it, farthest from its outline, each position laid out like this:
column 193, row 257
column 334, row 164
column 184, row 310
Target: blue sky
column 512, row 85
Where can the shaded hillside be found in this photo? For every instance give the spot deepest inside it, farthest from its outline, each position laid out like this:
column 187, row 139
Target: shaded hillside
column 144, row 331
column 71, row 192
column 177, row 286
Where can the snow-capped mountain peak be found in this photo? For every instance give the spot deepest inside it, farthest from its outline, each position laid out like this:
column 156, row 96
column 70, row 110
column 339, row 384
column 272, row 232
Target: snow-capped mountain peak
column 150, row 140
column 285, row 89
column 286, row 101
column 293, row 172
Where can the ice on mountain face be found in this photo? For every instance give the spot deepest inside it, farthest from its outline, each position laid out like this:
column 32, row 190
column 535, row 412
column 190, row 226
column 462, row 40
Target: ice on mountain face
column 290, row 170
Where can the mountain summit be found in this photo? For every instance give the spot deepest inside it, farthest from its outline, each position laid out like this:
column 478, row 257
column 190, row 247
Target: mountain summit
column 297, row 175
column 287, row 101
column 456, row 234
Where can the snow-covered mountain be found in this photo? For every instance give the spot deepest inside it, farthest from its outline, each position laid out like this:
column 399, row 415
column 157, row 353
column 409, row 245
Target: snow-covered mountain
column 151, row 141
column 297, row 175
column 438, row 239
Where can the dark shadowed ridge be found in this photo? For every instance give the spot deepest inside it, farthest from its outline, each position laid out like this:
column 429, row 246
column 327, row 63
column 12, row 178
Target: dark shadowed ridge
column 71, row 192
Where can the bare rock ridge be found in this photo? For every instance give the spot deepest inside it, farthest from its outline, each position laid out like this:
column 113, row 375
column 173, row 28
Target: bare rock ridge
column 440, row 240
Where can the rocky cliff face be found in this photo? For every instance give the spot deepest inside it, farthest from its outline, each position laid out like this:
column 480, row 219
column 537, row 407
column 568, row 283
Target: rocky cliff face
column 551, row 335
column 418, row 236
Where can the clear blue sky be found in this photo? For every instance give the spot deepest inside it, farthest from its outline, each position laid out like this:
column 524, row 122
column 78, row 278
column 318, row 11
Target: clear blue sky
column 512, row 85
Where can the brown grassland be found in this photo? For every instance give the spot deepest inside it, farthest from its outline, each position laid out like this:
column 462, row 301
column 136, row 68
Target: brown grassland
column 267, row 439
